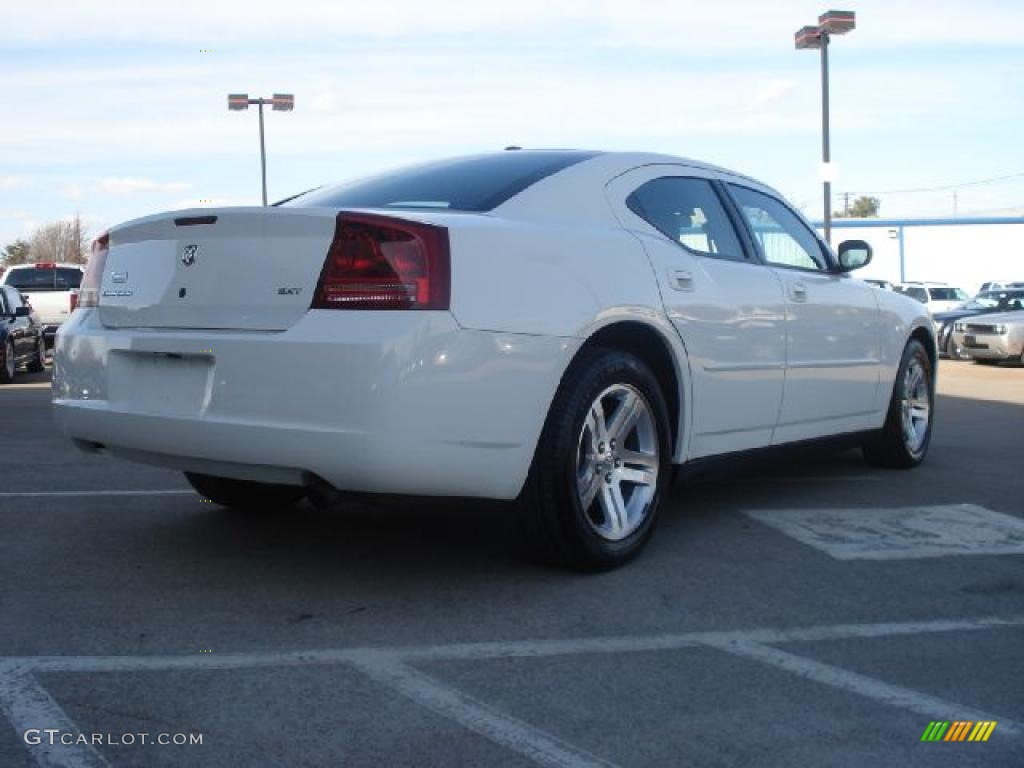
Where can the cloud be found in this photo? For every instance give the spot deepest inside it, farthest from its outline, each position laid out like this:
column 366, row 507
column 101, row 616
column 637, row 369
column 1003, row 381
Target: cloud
column 326, row 101
column 72, row 192
column 134, row 186
column 14, row 214
column 772, row 93
column 11, row 182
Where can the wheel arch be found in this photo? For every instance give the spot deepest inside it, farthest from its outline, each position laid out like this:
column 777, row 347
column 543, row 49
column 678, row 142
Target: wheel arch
column 663, row 352
column 927, row 338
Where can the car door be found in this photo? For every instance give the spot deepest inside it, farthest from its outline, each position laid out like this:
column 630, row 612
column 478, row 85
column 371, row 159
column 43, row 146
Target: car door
column 832, row 324
column 17, row 327
column 727, row 307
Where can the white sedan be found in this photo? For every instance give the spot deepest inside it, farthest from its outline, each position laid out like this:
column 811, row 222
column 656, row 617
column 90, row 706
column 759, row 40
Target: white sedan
column 556, row 327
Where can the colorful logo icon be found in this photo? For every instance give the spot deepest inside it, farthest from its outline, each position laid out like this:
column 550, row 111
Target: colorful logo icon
column 958, row 730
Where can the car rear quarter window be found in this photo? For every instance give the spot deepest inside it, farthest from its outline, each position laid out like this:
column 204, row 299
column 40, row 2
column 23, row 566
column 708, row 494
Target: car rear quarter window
column 476, row 183
column 44, row 278
column 689, row 212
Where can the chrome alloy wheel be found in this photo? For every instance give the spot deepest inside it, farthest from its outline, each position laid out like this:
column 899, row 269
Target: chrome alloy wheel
column 915, row 406
column 617, row 462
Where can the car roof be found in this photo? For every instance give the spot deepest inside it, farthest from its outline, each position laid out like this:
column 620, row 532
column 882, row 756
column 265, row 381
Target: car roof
column 578, row 191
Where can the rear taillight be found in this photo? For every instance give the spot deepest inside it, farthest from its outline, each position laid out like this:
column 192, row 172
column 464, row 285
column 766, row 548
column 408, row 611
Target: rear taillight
column 89, row 290
column 377, row 262
column 73, row 297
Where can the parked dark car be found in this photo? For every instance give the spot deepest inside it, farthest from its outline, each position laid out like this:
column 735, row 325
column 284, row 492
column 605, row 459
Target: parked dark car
column 985, row 303
column 21, row 336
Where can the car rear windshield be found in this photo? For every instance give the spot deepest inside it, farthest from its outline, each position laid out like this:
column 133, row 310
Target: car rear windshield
column 476, row 183
column 44, row 278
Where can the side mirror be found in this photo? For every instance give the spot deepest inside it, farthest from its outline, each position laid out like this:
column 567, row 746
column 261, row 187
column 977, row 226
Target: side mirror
column 853, row 254
column 22, row 311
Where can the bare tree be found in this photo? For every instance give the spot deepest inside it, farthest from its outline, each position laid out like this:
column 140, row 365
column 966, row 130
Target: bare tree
column 64, row 240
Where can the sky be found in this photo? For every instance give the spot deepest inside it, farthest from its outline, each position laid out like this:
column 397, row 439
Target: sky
column 115, row 109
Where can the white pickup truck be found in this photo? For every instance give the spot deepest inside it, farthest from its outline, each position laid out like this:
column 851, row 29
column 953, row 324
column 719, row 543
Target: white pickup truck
column 50, row 289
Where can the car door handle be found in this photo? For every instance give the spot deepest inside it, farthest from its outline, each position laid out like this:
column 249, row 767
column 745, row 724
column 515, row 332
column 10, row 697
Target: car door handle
column 680, row 279
column 798, row 292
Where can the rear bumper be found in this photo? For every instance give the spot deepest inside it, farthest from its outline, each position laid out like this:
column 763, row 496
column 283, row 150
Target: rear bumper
column 380, row 402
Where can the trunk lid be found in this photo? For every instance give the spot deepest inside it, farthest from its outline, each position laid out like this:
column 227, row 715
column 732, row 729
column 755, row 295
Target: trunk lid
column 227, row 268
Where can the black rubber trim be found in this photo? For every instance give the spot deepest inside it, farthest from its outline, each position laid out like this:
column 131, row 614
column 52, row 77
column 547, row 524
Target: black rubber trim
column 190, row 221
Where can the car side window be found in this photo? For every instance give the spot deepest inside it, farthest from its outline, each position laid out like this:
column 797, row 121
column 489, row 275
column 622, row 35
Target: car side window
column 13, row 299
column 918, row 293
column 785, row 241
column 689, row 212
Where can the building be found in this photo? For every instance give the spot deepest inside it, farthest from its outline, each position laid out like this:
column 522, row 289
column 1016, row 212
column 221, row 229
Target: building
column 962, row 252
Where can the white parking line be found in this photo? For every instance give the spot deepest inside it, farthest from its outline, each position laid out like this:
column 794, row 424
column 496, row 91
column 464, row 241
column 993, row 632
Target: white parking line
column 885, row 693
column 540, row 747
column 901, row 532
column 27, row 705
column 32, row 385
column 73, row 494
column 506, row 649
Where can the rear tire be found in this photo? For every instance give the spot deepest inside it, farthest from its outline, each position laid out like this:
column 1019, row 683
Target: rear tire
column 601, row 467
column 39, row 361
column 9, row 365
column 904, row 439
column 244, row 494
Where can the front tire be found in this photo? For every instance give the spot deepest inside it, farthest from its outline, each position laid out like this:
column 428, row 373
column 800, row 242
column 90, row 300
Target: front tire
column 244, row 494
column 39, row 360
column 601, row 467
column 904, row 439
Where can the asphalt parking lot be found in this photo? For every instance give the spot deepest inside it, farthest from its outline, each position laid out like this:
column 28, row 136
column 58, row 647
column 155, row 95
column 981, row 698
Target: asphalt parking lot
column 805, row 610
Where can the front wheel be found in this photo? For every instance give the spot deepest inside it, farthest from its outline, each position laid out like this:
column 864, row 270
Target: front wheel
column 904, row 439
column 601, row 467
column 244, row 494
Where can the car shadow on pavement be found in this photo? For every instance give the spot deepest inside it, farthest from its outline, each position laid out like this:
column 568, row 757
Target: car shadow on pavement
column 409, row 538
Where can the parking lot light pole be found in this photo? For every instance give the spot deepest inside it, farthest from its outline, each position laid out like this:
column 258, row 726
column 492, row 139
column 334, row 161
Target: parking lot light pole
column 817, row 37
column 280, row 102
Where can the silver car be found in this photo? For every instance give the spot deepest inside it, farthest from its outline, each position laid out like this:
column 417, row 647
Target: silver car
column 992, row 337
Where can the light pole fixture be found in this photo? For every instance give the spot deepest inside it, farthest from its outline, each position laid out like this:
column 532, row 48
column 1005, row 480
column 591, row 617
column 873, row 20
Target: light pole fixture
column 811, row 37
column 280, row 102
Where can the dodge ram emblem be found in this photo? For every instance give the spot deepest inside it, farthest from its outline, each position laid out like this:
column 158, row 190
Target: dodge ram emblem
column 188, row 255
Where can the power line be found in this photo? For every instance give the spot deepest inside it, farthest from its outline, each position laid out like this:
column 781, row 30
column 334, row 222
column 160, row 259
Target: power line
column 947, row 187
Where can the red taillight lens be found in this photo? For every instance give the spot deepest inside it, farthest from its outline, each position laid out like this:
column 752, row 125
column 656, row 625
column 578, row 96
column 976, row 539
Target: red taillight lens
column 89, row 290
column 376, row 262
column 73, row 296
